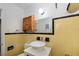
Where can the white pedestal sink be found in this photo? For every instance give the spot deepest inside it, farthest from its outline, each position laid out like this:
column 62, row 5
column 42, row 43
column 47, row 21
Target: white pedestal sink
column 36, row 48
column 36, row 44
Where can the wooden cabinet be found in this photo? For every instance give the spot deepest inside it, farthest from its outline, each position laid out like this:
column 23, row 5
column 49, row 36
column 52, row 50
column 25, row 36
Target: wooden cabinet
column 29, row 24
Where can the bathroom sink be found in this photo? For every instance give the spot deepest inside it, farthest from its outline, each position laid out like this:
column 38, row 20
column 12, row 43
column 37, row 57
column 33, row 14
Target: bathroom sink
column 35, row 48
column 37, row 44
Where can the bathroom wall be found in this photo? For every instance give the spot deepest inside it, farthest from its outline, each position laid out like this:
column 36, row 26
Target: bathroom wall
column 14, row 18
column 11, row 20
column 2, row 28
column 18, row 40
column 65, row 41
column 67, row 36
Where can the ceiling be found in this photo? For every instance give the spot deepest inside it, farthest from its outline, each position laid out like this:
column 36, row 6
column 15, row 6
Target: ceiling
column 49, row 8
column 72, row 7
column 30, row 5
column 24, row 5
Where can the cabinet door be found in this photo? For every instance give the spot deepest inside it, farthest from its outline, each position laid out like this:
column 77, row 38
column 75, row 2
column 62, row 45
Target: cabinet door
column 33, row 24
column 28, row 24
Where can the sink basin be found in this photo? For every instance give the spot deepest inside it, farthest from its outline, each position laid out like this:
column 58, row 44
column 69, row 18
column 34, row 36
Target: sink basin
column 37, row 44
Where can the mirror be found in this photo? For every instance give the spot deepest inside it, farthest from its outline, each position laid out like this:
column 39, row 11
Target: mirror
column 44, row 25
column 40, row 26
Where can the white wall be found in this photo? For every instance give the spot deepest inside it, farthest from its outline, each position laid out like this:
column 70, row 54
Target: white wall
column 14, row 17
column 33, row 10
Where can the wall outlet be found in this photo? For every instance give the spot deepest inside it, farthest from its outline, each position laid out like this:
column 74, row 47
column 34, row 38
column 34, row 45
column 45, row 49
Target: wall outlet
column 10, row 48
column 47, row 39
column 38, row 38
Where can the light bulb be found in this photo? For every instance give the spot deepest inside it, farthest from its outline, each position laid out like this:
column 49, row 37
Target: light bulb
column 41, row 11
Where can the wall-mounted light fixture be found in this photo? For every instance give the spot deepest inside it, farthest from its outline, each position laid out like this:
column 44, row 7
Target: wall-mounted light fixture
column 56, row 5
column 41, row 11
